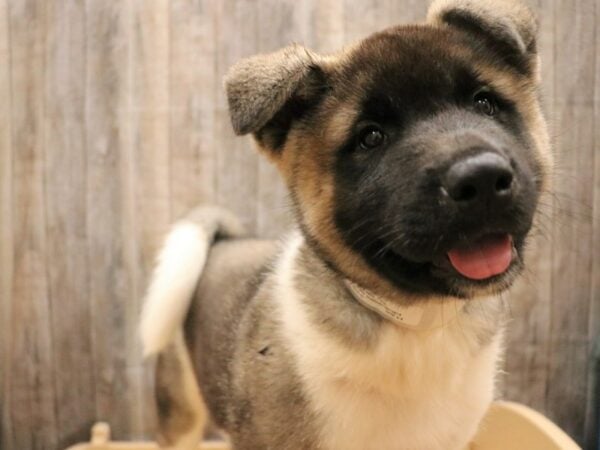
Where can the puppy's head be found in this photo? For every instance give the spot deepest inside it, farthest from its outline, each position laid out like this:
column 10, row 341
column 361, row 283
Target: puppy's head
column 416, row 157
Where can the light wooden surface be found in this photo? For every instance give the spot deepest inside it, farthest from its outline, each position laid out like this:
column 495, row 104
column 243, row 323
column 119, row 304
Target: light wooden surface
column 507, row 425
column 101, row 439
column 113, row 123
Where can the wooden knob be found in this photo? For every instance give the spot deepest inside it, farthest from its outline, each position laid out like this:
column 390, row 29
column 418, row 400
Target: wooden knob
column 100, row 433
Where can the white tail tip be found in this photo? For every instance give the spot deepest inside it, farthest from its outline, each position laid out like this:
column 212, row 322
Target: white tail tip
column 180, row 263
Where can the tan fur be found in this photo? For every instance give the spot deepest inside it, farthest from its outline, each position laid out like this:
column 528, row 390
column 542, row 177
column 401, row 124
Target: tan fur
column 510, row 17
column 427, row 390
column 181, row 410
column 179, row 264
column 306, row 162
column 399, row 394
column 526, row 91
column 309, row 160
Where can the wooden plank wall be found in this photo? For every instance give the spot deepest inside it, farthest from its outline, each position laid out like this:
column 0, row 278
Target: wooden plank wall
column 113, row 123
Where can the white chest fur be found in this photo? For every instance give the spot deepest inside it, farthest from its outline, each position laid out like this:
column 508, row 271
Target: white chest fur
column 412, row 390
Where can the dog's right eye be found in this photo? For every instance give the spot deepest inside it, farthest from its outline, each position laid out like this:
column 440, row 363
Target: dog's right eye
column 371, row 137
column 485, row 103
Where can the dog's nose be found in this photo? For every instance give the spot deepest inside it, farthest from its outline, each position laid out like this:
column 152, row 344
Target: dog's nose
column 485, row 178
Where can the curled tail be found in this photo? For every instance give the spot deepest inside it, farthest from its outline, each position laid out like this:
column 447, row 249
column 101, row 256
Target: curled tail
column 181, row 410
column 180, row 264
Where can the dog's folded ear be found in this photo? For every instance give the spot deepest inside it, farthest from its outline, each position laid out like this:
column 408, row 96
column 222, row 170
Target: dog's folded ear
column 507, row 26
column 270, row 91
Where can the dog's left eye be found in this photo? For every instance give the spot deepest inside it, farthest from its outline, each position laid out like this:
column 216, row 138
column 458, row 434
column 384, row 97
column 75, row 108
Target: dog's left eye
column 371, row 137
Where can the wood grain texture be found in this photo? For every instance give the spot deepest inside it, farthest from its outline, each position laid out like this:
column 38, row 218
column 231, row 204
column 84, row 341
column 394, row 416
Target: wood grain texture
column 149, row 118
column 592, row 419
column 572, row 231
column 6, row 240
column 288, row 22
column 114, row 122
column 66, row 234
column 327, row 25
column 193, row 87
column 236, row 24
column 363, row 18
column 31, row 384
column 528, row 354
column 110, row 209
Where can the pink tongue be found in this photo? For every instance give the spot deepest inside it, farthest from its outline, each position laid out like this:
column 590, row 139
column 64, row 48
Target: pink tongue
column 483, row 259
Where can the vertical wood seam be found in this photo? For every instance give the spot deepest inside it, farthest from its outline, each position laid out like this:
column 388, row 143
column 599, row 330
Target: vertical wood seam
column 552, row 197
column 44, row 226
column 591, row 426
column 7, row 246
column 257, row 161
column 130, row 182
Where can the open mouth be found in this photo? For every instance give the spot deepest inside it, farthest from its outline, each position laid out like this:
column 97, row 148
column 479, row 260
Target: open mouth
column 489, row 256
column 477, row 263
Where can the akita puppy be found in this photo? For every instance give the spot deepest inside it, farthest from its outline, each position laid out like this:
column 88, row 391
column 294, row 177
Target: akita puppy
column 414, row 160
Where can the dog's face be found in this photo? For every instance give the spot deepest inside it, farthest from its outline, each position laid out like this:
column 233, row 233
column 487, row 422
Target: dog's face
column 415, row 159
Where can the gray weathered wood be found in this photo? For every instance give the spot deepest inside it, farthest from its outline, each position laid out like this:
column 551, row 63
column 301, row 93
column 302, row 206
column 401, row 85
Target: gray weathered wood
column 236, row 25
column 110, row 209
column 572, row 231
column 288, row 22
column 6, row 240
column 193, row 87
column 592, row 419
column 113, row 122
column 30, row 383
column 65, row 199
column 528, row 354
column 326, row 32
column 149, row 118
